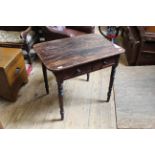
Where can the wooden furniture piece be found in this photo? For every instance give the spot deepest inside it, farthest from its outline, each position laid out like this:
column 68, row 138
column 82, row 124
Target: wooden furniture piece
column 18, row 37
column 71, row 57
column 12, row 72
column 139, row 43
column 150, row 29
column 59, row 32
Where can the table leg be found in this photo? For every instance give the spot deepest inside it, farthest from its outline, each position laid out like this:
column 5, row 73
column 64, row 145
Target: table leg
column 112, row 76
column 45, row 78
column 60, row 95
column 87, row 76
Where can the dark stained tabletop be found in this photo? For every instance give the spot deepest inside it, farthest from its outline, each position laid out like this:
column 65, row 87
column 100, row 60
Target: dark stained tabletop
column 69, row 52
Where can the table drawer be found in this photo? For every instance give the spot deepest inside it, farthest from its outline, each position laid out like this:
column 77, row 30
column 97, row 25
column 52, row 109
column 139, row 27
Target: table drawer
column 76, row 71
column 14, row 69
column 102, row 63
column 87, row 68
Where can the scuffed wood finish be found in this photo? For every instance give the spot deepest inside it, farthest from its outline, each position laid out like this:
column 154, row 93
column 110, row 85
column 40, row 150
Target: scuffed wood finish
column 66, row 53
column 68, row 58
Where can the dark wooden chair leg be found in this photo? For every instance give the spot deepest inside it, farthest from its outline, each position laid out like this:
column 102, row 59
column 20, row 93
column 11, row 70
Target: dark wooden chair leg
column 29, row 59
column 87, row 76
column 45, row 78
column 60, row 95
column 28, row 56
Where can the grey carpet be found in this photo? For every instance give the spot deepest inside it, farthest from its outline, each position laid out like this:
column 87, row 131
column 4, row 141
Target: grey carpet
column 135, row 97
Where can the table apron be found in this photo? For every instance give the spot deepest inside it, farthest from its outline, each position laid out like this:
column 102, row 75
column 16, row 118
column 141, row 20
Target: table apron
column 85, row 68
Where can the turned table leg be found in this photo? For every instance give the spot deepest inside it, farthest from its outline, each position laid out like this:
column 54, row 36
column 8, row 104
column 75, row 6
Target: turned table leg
column 60, row 95
column 45, row 78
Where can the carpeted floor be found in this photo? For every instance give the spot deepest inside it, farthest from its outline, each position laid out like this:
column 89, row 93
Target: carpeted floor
column 135, row 97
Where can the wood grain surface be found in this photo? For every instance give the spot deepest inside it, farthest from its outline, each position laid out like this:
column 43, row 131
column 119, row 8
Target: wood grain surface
column 65, row 53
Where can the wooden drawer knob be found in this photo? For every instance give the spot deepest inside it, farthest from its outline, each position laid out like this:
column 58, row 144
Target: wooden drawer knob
column 78, row 71
column 105, row 62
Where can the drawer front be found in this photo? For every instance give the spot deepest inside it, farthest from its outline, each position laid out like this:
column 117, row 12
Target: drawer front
column 14, row 69
column 86, row 68
column 76, row 71
column 102, row 63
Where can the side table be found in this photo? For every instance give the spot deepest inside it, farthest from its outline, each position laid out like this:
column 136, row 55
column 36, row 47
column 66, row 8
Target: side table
column 72, row 57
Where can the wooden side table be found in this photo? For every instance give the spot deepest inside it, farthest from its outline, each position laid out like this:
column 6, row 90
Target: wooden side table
column 71, row 57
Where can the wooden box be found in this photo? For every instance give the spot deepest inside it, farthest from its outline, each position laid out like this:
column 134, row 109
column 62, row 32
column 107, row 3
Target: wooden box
column 12, row 72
